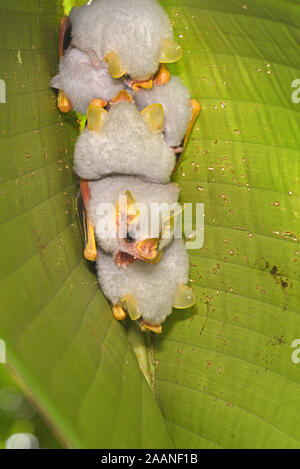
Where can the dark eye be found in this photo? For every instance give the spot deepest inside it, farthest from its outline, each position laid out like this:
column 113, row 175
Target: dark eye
column 129, row 238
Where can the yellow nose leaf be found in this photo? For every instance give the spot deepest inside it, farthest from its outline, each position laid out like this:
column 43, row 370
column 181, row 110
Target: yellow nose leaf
column 128, row 208
column 184, row 297
column 131, row 307
column 148, row 248
column 154, row 116
column 170, row 52
column 95, row 117
column 114, row 64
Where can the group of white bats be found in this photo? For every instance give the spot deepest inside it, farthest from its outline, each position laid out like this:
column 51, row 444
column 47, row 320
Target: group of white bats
column 112, row 69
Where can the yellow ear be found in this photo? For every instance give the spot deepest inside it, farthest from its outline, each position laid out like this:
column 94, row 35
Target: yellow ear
column 95, row 117
column 184, row 297
column 169, row 222
column 127, row 207
column 154, row 116
column 170, row 52
column 132, row 210
column 114, row 65
column 129, row 303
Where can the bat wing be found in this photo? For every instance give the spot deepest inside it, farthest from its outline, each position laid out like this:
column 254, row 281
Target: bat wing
column 86, row 227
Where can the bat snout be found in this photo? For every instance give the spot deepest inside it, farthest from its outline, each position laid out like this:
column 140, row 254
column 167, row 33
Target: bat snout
column 147, row 249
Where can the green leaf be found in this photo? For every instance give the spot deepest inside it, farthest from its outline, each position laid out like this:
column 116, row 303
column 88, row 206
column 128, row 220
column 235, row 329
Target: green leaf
column 75, row 361
column 225, row 377
column 18, row 416
column 222, row 373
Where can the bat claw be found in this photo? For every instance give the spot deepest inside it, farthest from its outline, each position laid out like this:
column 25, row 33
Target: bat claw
column 98, row 102
column 118, row 312
column 163, row 76
column 63, row 102
column 147, row 326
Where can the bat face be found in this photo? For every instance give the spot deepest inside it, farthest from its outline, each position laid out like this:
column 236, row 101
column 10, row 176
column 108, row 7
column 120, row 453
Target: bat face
column 130, row 215
column 133, row 36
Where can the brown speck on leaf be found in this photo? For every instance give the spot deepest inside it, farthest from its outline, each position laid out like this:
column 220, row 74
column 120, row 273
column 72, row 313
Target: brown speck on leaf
column 278, row 341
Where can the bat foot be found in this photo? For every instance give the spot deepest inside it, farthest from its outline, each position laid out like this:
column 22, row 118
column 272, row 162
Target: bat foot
column 163, row 76
column 118, row 312
column 147, row 326
column 63, row 102
column 122, row 96
column 136, row 85
column 98, row 102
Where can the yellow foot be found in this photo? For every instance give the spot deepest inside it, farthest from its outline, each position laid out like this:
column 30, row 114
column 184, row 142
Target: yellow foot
column 118, row 312
column 146, row 326
column 98, row 102
column 122, row 96
column 163, row 76
column 135, row 85
column 63, row 103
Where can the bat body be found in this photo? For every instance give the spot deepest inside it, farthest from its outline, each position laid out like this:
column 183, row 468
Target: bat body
column 152, row 286
column 126, row 154
column 122, row 45
column 123, row 144
column 134, row 30
column 81, row 81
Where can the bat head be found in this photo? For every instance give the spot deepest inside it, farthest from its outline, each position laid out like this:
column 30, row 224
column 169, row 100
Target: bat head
column 143, row 230
column 139, row 220
column 134, row 37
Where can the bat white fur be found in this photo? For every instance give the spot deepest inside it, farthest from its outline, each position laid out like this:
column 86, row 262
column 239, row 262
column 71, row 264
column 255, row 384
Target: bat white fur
column 109, row 190
column 126, row 145
column 134, row 29
column 152, row 285
column 82, row 82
